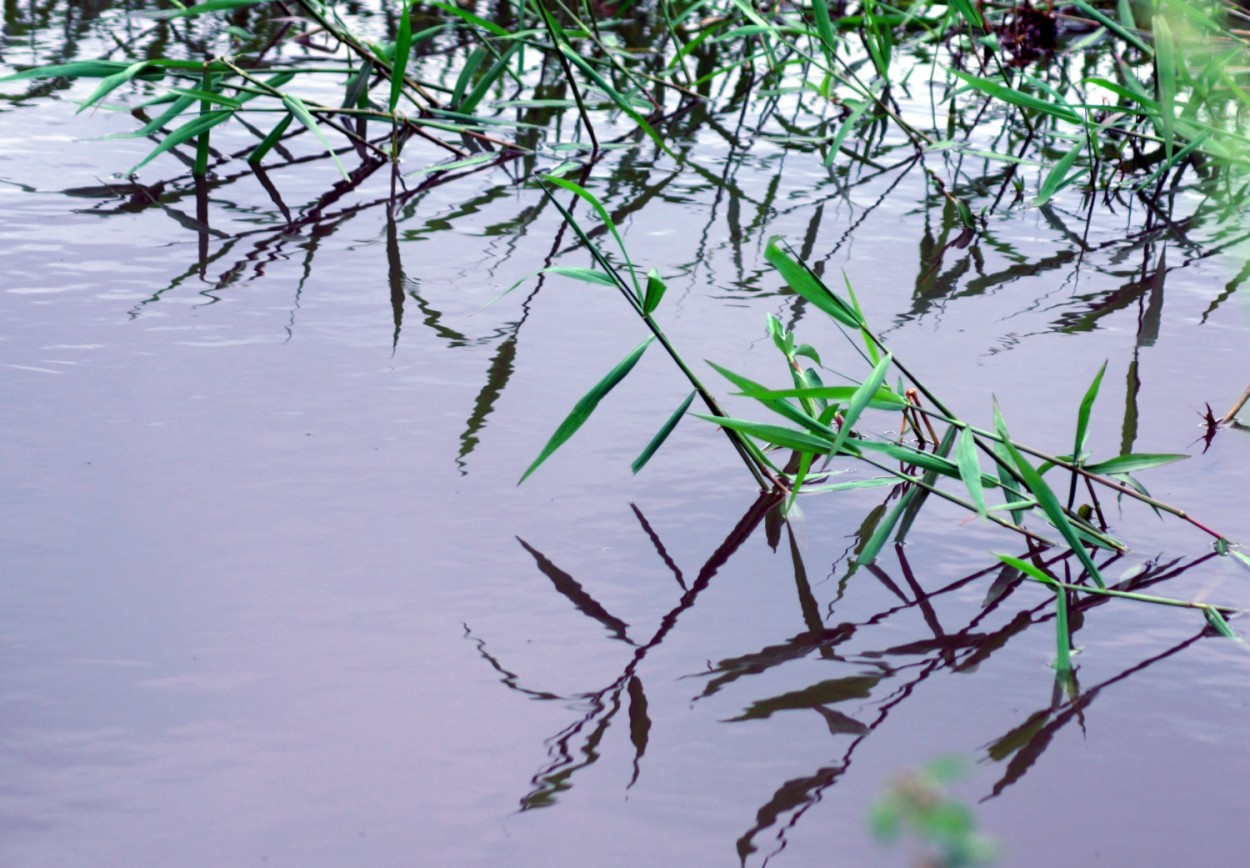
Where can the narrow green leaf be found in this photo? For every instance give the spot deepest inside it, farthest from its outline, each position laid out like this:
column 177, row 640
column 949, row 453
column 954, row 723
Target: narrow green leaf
column 786, row 438
column 824, row 27
column 1133, row 462
column 111, row 83
column 189, row 130
column 467, row 162
column 586, row 405
column 297, row 107
column 1063, row 636
column 586, row 275
column 471, row 63
column 970, row 469
column 655, row 292
column 969, row 13
column 206, row 7
column 77, row 69
column 621, row 102
column 1047, row 500
column 1165, row 81
column 1082, row 415
column 860, row 401
column 1124, row 28
column 270, row 140
column 1216, row 619
column 488, row 79
column 1000, row 91
column 849, row 124
column 403, row 48
column 658, row 440
column 884, row 399
column 873, row 545
column 583, row 193
column 1058, row 177
column 470, row 18
column 805, row 283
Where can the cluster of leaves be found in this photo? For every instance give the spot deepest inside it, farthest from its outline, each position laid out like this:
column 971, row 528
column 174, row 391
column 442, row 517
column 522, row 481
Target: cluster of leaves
column 825, row 426
column 1159, row 88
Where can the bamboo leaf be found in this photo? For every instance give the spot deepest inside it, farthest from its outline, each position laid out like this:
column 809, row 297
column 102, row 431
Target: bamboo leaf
column 1165, row 81
column 970, row 469
column 787, row 438
column 297, row 107
column 666, row 429
column 583, row 193
column 270, row 140
column 860, row 401
column 403, row 48
column 1000, row 91
column 585, row 275
column 1063, row 636
column 207, row 7
column 1133, row 462
column 1082, row 415
column 1047, row 500
column 111, row 83
column 805, row 283
column 467, row 162
column 655, row 292
column 586, row 405
column 189, row 130
column 1058, row 177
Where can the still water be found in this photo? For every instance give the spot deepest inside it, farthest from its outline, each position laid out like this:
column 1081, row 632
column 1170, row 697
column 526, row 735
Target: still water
column 272, row 595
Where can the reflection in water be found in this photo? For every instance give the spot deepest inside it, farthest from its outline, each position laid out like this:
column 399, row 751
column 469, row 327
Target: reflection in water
column 852, row 706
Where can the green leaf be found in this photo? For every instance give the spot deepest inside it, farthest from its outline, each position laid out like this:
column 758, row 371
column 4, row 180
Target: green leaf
column 270, row 140
column 488, row 79
column 655, row 292
column 206, row 7
column 1058, row 177
column 1165, row 81
column 970, row 469
column 189, row 130
column 297, row 107
column 658, row 440
column 884, row 399
column 621, row 102
column 111, row 83
column 805, row 283
column 849, row 124
column 583, row 193
column 998, row 90
column 969, row 13
column 586, row 405
column 467, row 162
column 1063, row 637
column 860, row 401
column 403, row 48
column 586, row 275
column 1133, row 462
column 1082, row 415
column 1047, row 500
column 787, row 438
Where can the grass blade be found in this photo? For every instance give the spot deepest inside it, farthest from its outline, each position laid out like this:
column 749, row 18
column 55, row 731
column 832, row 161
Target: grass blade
column 586, row 405
column 658, row 440
column 189, row 130
column 805, row 283
column 582, row 192
column 970, row 469
column 1047, row 500
column 297, row 107
column 1063, row 637
column 1133, row 462
column 1058, row 177
column 403, row 48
